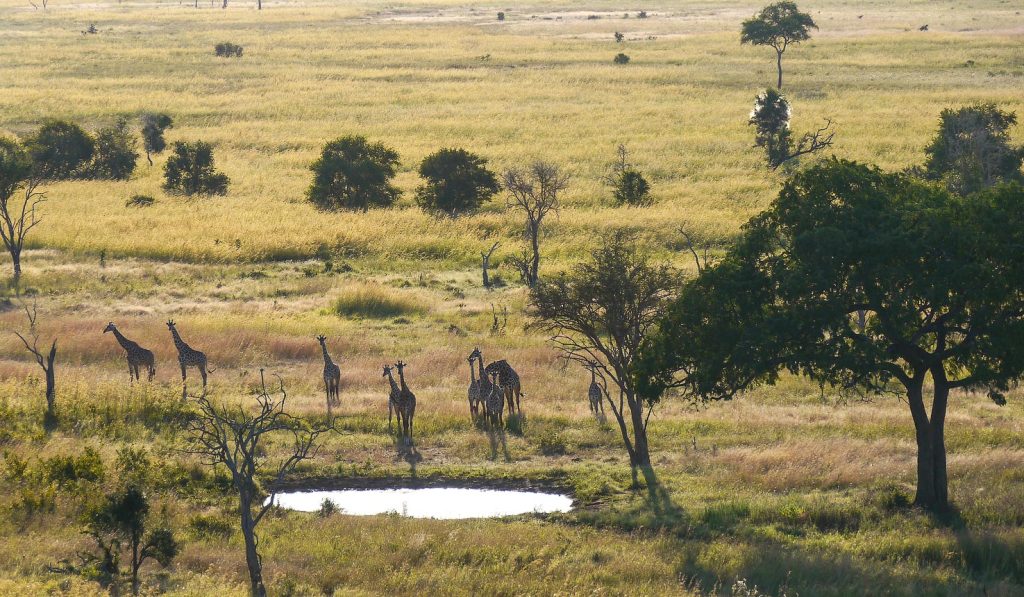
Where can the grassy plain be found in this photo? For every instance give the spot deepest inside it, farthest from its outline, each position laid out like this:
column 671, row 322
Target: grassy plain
column 790, row 488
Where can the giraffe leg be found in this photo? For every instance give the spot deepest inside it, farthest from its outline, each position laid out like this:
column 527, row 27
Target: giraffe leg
column 202, row 372
column 183, row 377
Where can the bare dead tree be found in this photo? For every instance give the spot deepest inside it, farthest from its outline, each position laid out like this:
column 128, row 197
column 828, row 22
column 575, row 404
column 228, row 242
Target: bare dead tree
column 498, row 325
column 810, row 143
column 485, row 264
column 44, row 360
column 700, row 259
column 233, row 437
column 534, row 191
column 19, row 198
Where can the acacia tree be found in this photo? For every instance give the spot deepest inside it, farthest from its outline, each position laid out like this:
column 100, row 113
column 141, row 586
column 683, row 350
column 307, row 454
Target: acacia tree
column 770, row 118
column 153, row 127
column 534, row 191
column 119, row 522
column 236, row 438
column 190, row 170
column 972, row 149
column 600, row 314
column 778, row 25
column 19, row 198
column 865, row 281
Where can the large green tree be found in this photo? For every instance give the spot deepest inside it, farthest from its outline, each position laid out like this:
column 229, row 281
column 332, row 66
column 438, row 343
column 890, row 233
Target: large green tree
column 19, row 199
column 972, row 149
column 455, row 181
column 864, row 281
column 778, row 25
column 353, row 173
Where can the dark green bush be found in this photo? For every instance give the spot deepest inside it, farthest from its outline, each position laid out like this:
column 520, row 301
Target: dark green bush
column 456, row 181
column 353, row 173
column 60, row 150
column 228, row 50
column 621, row 58
column 190, row 171
column 116, row 152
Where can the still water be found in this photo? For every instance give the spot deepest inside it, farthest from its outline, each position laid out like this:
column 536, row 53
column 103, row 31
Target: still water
column 432, row 502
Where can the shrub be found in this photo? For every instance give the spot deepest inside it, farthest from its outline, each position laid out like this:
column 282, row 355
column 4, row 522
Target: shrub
column 501, row 16
column 619, row 37
column 189, row 171
column 972, row 149
column 228, row 50
column 551, row 443
column 140, row 201
column 642, row 14
column 327, row 508
column 115, row 153
column 374, row 301
column 60, row 150
column 457, row 181
column 153, row 126
column 632, row 188
column 352, row 173
column 621, row 58
column 65, row 470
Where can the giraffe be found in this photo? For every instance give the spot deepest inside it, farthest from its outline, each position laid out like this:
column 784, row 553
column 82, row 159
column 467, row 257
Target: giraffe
column 473, row 393
column 595, row 393
column 484, row 381
column 188, row 356
column 332, row 376
column 406, row 402
column 137, row 355
column 494, row 401
column 393, row 397
column 508, row 381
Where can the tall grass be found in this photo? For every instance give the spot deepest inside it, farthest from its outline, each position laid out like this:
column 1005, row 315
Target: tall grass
column 374, row 301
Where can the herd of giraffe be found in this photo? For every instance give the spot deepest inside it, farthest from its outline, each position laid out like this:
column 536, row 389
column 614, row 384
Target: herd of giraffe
column 495, row 391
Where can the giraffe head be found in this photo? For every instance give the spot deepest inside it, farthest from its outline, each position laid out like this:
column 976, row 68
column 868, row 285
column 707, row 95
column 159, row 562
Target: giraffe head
column 170, row 324
column 387, row 371
column 110, row 327
column 400, row 366
column 475, row 355
column 321, row 339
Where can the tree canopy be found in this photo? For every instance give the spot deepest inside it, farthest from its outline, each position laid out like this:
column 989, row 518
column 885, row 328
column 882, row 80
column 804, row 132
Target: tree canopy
column 778, row 25
column 60, row 150
column 353, row 173
column 455, row 181
column 190, row 170
column 864, row 281
column 972, row 149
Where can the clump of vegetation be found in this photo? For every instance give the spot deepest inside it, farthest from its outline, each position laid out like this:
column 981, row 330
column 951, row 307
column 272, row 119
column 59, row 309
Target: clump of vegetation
column 778, row 25
column 140, row 201
column 972, row 151
column 327, row 508
column 228, row 50
column 190, row 171
column 116, row 152
column 629, row 187
column 153, row 126
column 19, row 198
column 619, row 37
column 353, row 173
column 60, row 150
column 374, row 301
column 501, row 16
column 456, row 182
column 621, row 58
column 119, row 523
column 770, row 119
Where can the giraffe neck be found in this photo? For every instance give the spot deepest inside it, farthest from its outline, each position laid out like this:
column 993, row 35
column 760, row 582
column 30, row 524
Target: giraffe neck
column 401, row 379
column 472, row 373
column 593, row 376
column 327, row 357
column 124, row 342
column 178, row 342
column 391, row 380
column 480, row 362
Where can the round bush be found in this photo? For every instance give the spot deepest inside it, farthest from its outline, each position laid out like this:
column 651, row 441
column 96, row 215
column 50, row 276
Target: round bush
column 456, row 181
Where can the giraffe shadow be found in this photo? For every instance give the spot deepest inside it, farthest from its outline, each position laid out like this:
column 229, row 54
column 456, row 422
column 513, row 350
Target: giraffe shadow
column 496, row 436
column 405, row 450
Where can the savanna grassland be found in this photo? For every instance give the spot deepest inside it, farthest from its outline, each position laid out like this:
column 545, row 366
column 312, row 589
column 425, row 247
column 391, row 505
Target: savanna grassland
column 793, row 488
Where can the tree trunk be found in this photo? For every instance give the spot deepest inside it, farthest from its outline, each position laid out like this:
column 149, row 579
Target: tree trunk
column 252, row 557
column 16, row 260
column 932, row 482
column 135, row 566
column 535, row 263
column 778, row 64
column 51, row 383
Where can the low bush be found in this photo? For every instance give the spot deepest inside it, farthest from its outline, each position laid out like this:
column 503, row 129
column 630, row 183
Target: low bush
column 621, row 58
column 228, row 50
column 375, row 302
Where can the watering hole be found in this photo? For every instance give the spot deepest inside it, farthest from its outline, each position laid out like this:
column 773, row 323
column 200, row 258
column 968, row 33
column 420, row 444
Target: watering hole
column 430, row 502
